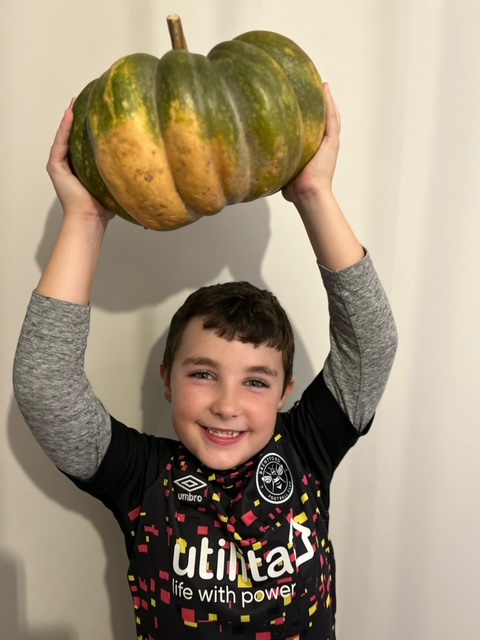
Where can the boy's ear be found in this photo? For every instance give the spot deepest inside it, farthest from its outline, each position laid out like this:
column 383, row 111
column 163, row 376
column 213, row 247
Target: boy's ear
column 288, row 391
column 167, row 389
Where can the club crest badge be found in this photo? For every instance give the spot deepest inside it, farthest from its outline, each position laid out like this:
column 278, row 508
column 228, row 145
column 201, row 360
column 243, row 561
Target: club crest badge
column 274, row 479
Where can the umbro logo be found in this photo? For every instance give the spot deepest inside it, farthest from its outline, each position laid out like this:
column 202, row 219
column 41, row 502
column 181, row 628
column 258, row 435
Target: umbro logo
column 191, row 485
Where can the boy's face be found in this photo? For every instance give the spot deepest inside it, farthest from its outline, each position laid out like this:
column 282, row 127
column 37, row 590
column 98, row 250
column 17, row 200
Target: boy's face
column 225, row 396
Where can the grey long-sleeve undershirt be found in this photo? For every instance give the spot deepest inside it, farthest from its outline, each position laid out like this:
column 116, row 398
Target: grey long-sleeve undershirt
column 72, row 425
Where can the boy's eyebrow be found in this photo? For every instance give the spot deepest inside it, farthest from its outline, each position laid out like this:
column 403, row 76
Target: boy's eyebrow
column 208, row 362
column 201, row 360
column 263, row 369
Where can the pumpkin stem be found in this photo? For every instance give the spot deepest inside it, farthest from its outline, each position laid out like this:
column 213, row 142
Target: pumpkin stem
column 176, row 32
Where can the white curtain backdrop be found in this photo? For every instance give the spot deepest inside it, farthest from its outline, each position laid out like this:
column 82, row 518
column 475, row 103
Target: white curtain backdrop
column 405, row 505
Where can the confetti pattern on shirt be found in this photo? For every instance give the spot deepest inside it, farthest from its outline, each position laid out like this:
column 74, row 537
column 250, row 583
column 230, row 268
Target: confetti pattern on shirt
column 242, row 553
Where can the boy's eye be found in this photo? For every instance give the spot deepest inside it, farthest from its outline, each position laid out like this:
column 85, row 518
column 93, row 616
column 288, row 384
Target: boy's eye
column 259, row 384
column 200, row 375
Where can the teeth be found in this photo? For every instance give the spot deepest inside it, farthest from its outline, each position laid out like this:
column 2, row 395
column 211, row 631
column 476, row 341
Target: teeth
column 221, row 433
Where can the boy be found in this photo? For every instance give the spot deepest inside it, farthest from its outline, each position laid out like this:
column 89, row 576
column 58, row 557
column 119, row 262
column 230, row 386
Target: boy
column 227, row 529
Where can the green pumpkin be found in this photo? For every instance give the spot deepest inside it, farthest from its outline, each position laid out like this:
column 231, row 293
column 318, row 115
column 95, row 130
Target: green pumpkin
column 163, row 142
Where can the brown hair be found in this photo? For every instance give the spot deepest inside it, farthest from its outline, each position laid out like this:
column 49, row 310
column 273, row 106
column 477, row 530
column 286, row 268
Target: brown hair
column 236, row 311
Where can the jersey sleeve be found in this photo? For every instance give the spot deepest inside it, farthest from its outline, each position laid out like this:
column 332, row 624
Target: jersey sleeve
column 319, row 431
column 339, row 405
column 363, row 340
column 52, row 390
column 132, row 463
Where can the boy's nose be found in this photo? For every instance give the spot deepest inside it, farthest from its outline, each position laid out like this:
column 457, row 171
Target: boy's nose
column 225, row 403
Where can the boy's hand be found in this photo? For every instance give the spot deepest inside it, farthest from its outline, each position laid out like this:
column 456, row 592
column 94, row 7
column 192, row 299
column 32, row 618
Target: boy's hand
column 335, row 245
column 72, row 194
column 317, row 176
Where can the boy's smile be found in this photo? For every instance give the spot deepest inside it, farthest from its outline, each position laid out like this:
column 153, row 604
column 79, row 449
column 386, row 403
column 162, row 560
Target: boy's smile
column 225, row 396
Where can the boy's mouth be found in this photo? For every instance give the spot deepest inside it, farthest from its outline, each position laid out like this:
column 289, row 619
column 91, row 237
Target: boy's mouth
column 223, row 433
column 223, row 436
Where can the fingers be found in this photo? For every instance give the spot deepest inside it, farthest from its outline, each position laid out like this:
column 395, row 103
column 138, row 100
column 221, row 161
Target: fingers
column 333, row 120
column 59, row 149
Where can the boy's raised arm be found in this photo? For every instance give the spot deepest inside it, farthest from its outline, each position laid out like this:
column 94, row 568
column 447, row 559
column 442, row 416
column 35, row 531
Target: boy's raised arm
column 363, row 335
column 71, row 268
column 333, row 241
column 50, row 385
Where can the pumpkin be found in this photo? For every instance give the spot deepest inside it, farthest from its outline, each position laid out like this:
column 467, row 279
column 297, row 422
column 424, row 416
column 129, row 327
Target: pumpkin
column 163, row 142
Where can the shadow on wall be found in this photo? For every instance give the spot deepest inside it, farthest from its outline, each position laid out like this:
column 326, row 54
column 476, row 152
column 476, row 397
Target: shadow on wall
column 57, row 487
column 138, row 269
column 12, row 607
column 144, row 268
